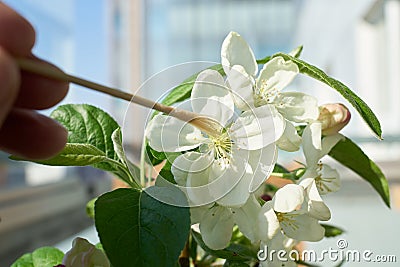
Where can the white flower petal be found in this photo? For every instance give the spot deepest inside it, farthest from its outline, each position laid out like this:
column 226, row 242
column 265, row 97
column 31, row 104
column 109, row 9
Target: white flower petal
column 328, row 142
column 216, row 227
column 268, row 224
column 316, row 206
column 307, row 179
column 245, row 218
column 230, row 183
column 297, row 107
column 236, row 51
column 277, row 74
column 262, row 163
column 257, row 128
column 277, row 243
column 329, row 180
column 290, row 140
column 197, row 213
column 312, row 144
column 307, row 228
column 198, row 187
column 182, row 165
column 241, row 85
column 288, row 198
column 168, row 134
column 210, row 97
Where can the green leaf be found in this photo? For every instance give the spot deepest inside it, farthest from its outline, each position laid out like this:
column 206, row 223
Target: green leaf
column 350, row 155
column 264, row 60
column 280, row 169
column 138, row 230
column 314, row 72
column 129, row 170
column 116, row 138
column 87, row 124
column 165, row 172
column 90, row 208
column 234, row 252
column 41, row 257
column 152, row 156
column 331, row 230
column 193, row 249
column 94, row 139
column 74, row 155
column 47, row 256
column 296, row 52
column 24, row 261
column 282, row 172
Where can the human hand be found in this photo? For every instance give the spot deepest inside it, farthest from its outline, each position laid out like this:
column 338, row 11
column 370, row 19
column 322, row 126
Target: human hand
column 23, row 131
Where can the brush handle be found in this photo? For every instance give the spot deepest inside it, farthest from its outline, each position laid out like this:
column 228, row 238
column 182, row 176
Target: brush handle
column 206, row 124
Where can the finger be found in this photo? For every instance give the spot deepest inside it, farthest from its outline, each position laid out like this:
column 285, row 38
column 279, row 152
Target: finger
column 9, row 83
column 16, row 34
column 37, row 92
column 31, row 135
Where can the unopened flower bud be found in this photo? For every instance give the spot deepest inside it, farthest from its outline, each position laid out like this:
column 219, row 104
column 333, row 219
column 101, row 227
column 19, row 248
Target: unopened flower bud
column 333, row 118
column 85, row 254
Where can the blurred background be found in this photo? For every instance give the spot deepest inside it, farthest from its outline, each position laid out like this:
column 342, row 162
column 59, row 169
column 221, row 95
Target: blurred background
column 123, row 43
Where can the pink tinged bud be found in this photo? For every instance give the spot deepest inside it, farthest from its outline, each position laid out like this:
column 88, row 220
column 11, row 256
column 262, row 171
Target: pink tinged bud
column 333, row 118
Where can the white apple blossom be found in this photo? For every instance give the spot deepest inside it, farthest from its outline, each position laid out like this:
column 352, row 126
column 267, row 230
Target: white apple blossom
column 284, row 213
column 227, row 165
column 250, row 91
column 283, row 247
column 318, row 178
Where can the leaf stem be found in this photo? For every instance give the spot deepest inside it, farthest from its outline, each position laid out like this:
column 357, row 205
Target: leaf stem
column 206, row 124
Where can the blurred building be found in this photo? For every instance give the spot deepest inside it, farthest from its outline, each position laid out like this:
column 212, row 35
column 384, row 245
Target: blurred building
column 41, row 205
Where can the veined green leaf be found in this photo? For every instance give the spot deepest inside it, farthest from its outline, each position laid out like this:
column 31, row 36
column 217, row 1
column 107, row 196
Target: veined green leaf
column 234, row 252
column 314, row 72
column 41, row 257
column 94, row 138
column 131, row 224
column 87, row 124
column 350, row 155
column 74, row 155
column 129, row 169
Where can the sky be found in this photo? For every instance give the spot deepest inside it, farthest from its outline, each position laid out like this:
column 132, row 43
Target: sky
column 73, row 35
